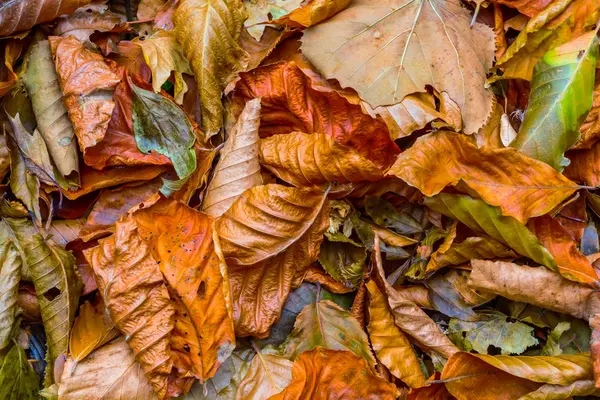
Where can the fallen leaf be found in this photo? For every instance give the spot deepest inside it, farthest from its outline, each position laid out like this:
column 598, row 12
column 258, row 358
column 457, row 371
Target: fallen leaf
column 266, row 220
column 268, row 375
column 315, row 274
column 262, row 11
column 313, row 159
column 25, row 186
column 214, row 27
column 92, row 329
column 564, row 77
column 148, row 9
column 12, row 51
column 238, row 168
column 585, row 166
column 343, row 259
column 25, row 14
column 286, row 110
column 532, row 285
column 181, row 240
column 590, row 129
column 471, row 248
column 126, row 272
column 163, row 55
column 390, row 344
column 484, row 218
column 110, row 372
column 18, row 381
column 322, row 373
column 552, row 346
column 356, row 48
column 10, row 275
column 87, row 20
column 327, row 325
column 65, row 231
column 311, row 12
column 492, row 329
column 445, row 158
column 548, row 391
column 527, row 7
column 53, row 123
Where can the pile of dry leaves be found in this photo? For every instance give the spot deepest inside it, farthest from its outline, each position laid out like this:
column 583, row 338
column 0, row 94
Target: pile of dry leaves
column 299, row 199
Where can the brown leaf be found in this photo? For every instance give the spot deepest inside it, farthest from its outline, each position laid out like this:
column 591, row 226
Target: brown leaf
column 322, row 374
column 409, row 317
column 92, row 329
column 444, row 158
column 118, row 146
column 109, row 373
column 87, row 20
column 266, row 220
column 238, row 168
column 358, row 304
column 259, row 291
column 527, row 7
column 12, row 51
column 181, row 240
column 113, row 204
column 486, row 377
column 468, row 249
column 534, row 285
column 390, row 344
column 316, row 274
column 132, row 287
column 87, row 84
column 292, row 101
column 313, row 159
column 21, row 15
column 563, row 248
column 312, row 12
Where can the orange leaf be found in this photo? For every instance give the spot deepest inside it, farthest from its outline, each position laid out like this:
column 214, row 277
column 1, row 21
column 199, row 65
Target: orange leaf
column 444, row 158
column 563, row 248
column 87, row 83
column 316, row 274
column 585, row 166
column 590, row 129
column 313, row 12
column 292, row 101
column 260, row 291
column 92, row 328
column 323, row 374
column 266, row 220
column 527, row 7
column 18, row 16
column 312, row 159
column 181, row 240
column 132, row 287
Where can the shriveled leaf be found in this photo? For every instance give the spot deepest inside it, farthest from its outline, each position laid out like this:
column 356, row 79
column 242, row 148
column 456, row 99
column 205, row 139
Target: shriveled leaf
column 559, row 101
column 91, row 330
column 87, row 83
column 527, row 7
column 487, row 376
column 322, row 373
column 536, row 286
column 484, row 218
column 390, row 344
column 261, row 11
column 24, row 185
column 327, row 325
column 161, row 126
column 53, row 123
column 556, row 24
column 312, row 12
column 181, row 240
column 10, row 275
column 445, row 158
column 163, row 55
column 377, row 53
column 22, row 15
column 87, row 20
column 300, row 110
column 313, row 159
column 126, row 272
column 552, row 346
column 56, row 282
column 266, row 220
column 18, row 381
column 259, row 291
column 386, row 215
column 208, row 32
column 471, row 248
column 238, row 168
column 268, row 375
column 344, row 260
column 492, row 329
column 109, row 373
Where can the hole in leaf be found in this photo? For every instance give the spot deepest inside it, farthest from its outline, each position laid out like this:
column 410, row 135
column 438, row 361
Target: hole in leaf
column 52, row 294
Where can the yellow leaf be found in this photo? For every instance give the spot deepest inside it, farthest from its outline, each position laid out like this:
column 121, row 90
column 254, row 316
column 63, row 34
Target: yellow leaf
column 92, row 328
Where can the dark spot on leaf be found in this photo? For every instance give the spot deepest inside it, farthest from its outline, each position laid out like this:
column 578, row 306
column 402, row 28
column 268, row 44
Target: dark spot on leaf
column 52, row 293
column 202, row 289
column 186, row 347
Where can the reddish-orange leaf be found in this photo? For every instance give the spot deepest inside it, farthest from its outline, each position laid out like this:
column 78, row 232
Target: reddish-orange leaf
column 181, row 240
column 527, row 7
column 323, row 374
column 585, row 166
column 291, row 101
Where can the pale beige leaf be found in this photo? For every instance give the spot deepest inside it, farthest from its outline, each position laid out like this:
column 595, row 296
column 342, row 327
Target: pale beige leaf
column 268, row 375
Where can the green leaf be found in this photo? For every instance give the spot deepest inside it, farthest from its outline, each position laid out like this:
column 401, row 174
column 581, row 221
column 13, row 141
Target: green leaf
column 385, row 214
column 327, row 325
column 10, row 275
column 492, row 329
column 56, row 283
column 24, row 185
column 343, row 259
column 479, row 216
column 552, row 346
column 559, row 101
column 18, row 380
column 160, row 125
